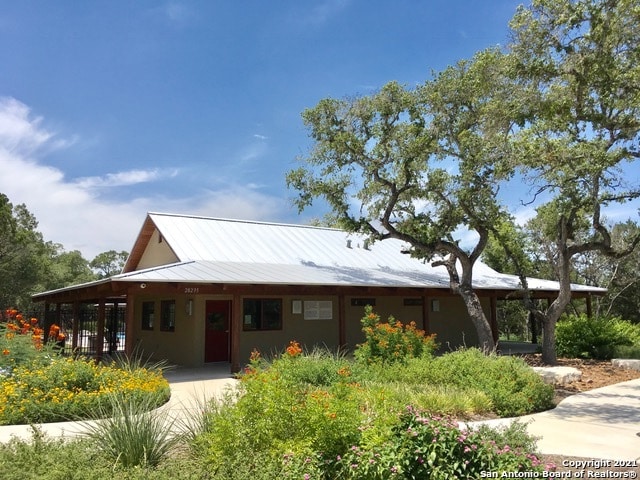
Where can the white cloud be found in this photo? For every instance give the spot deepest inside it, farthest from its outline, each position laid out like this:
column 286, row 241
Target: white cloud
column 82, row 214
column 178, row 14
column 260, row 137
column 130, row 177
column 327, row 9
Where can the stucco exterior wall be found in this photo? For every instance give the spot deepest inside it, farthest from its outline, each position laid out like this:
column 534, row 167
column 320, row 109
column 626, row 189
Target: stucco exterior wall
column 186, row 344
column 308, row 332
column 183, row 346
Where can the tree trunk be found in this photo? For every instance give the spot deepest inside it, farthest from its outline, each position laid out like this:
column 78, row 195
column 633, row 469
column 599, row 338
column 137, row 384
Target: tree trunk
column 556, row 309
column 476, row 313
column 549, row 356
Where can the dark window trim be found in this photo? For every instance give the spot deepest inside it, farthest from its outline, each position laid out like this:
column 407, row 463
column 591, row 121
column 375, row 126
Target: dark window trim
column 260, row 322
column 363, row 302
column 167, row 316
column 148, row 316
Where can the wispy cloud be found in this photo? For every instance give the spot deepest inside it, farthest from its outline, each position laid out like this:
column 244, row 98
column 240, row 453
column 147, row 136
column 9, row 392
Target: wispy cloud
column 323, row 11
column 82, row 214
column 174, row 13
column 130, row 177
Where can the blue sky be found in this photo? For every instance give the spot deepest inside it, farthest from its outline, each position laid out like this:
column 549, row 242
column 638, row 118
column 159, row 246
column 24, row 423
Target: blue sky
column 112, row 108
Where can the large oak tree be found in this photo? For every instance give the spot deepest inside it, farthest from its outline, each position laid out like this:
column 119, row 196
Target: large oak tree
column 580, row 62
column 417, row 165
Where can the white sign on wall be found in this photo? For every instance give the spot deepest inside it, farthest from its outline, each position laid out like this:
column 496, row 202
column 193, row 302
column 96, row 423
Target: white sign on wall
column 318, row 310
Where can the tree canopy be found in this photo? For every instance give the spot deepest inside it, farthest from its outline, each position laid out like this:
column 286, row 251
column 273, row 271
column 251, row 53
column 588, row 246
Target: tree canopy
column 29, row 264
column 417, row 165
column 559, row 107
column 580, row 61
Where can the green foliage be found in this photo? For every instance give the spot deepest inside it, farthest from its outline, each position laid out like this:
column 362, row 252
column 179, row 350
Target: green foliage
column 513, row 388
column 67, row 388
column 109, row 263
column 21, row 342
column 277, row 412
column 130, row 433
column 378, row 163
column 579, row 336
column 423, row 446
column 292, row 417
column 43, row 458
column 392, row 341
column 579, row 64
column 22, row 254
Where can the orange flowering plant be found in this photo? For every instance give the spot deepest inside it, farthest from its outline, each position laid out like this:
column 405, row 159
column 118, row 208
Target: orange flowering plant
column 392, row 341
column 21, row 340
column 294, row 349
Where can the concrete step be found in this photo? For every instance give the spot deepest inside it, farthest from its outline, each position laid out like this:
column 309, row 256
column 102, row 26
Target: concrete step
column 629, row 364
column 558, row 375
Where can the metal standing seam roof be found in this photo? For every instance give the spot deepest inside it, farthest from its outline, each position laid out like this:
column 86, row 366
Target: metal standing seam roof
column 213, row 250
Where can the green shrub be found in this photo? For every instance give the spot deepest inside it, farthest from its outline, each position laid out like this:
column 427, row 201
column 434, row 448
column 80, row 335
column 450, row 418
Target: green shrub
column 578, row 336
column 43, row 458
column 285, row 409
column 392, row 341
column 319, row 368
column 627, row 351
column 21, row 342
column 431, row 447
column 512, row 386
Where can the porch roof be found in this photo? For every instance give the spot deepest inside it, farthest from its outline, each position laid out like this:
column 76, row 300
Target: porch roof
column 220, row 251
column 309, row 273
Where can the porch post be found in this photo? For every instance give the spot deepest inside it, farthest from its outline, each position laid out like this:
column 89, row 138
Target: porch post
column 426, row 321
column 129, row 344
column 493, row 301
column 236, row 328
column 342, row 326
column 75, row 321
column 46, row 323
column 100, row 328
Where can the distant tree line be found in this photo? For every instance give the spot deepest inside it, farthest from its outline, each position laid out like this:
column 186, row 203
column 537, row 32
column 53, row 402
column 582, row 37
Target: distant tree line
column 30, row 264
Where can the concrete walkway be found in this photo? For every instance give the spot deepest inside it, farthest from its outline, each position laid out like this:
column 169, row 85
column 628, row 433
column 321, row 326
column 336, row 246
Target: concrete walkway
column 189, row 388
column 598, row 424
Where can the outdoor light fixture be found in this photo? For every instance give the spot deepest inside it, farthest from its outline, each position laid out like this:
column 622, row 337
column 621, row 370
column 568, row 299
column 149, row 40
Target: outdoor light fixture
column 435, row 305
column 189, row 307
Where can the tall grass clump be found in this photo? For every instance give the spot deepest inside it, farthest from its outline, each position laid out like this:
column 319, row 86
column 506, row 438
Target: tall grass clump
column 131, row 433
column 44, row 458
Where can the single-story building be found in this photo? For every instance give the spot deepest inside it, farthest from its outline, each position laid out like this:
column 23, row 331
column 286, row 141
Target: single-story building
column 201, row 290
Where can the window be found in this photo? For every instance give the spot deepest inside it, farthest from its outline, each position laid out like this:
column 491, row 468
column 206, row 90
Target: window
column 363, row 302
column 413, row 302
column 168, row 315
column 147, row 315
column 262, row 314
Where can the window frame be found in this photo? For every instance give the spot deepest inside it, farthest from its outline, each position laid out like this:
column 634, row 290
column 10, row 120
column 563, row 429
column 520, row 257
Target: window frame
column 261, row 323
column 168, row 315
column 147, row 317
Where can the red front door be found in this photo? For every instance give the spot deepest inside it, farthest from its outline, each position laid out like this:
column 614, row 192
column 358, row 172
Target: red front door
column 216, row 347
